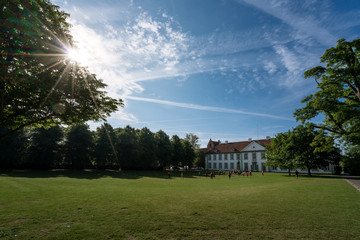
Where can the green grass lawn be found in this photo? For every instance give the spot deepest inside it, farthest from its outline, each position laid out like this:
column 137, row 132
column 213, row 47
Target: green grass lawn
column 147, row 205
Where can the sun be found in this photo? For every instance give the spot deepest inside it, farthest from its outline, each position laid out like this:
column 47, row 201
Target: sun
column 78, row 55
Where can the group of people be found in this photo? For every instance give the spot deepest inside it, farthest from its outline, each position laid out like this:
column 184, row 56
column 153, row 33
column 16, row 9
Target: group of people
column 220, row 172
column 230, row 173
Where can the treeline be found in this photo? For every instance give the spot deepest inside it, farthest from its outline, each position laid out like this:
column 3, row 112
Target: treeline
column 77, row 147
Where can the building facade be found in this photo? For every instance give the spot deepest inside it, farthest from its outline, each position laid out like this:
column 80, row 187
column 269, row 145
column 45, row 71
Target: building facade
column 245, row 156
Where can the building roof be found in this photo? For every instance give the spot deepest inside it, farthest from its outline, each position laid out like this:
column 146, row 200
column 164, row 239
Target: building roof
column 234, row 147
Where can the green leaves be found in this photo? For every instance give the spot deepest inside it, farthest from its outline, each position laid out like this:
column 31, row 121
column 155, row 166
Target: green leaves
column 38, row 83
column 302, row 147
column 338, row 95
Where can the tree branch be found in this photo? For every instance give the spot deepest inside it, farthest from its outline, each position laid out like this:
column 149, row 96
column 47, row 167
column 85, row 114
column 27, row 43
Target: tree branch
column 12, row 131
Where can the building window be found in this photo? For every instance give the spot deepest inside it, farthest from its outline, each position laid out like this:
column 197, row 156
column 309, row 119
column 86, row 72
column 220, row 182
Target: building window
column 226, row 166
column 220, row 165
column 232, row 165
column 245, row 156
column 226, row 156
column 254, row 156
column 212, row 157
column 238, row 156
column 221, row 157
column 262, row 155
column 209, row 165
column 254, row 167
column 217, row 156
column 231, row 156
column 214, row 165
column 246, row 166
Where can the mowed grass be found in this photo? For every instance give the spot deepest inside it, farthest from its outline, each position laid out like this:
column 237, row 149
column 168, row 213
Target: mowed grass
column 147, row 205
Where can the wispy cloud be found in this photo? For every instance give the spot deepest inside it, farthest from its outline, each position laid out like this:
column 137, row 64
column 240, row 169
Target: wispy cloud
column 206, row 108
column 305, row 24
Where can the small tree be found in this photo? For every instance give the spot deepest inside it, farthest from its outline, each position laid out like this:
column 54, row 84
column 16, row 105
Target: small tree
column 280, row 153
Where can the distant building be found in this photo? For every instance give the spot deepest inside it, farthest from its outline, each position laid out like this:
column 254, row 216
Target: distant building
column 246, row 156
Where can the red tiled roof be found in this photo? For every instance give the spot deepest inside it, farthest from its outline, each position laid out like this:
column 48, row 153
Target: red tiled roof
column 217, row 147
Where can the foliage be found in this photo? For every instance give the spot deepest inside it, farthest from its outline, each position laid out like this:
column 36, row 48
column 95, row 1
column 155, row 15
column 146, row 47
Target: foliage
column 351, row 163
column 39, row 85
column 280, row 153
column 164, row 148
column 79, row 146
column 313, row 149
column 178, row 154
column 127, row 147
column 12, row 149
column 104, row 149
column 44, row 150
column 199, row 158
column 189, row 153
column 147, row 149
column 302, row 147
column 338, row 95
column 193, row 139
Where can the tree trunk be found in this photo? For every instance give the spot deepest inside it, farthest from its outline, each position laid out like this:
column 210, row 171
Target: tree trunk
column 289, row 172
column 309, row 172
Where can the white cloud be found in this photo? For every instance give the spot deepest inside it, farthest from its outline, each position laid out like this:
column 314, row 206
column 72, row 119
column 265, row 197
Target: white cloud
column 206, row 108
column 141, row 49
column 307, row 25
column 270, row 67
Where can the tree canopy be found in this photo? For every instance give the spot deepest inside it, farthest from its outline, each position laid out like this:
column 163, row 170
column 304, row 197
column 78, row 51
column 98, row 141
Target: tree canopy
column 338, row 95
column 39, row 85
column 303, row 147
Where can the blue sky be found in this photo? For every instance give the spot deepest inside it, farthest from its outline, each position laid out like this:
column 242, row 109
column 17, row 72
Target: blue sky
column 221, row 69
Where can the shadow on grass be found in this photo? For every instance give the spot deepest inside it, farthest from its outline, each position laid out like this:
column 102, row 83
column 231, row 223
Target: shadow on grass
column 96, row 174
column 313, row 175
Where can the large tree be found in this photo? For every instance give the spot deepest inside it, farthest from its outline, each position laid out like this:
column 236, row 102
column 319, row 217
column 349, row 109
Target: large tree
column 302, row 147
column 79, row 146
column 338, row 95
column 105, row 142
column 163, row 146
column 44, row 150
column 313, row 148
column 147, row 149
column 39, row 84
column 193, row 139
column 189, row 153
column 127, row 147
column 12, row 149
column 178, row 153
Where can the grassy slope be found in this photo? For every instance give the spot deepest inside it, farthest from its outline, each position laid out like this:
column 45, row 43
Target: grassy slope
column 140, row 205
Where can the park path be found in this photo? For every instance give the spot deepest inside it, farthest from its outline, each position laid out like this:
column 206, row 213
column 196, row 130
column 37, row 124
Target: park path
column 355, row 182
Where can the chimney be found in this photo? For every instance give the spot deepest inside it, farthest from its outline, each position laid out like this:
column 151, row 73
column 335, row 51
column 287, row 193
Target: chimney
column 250, row 139
column 226, row 142
column 267, row 137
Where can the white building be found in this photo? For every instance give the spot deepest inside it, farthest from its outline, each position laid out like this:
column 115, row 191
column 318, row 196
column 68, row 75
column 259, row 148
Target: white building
column 246, row 156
